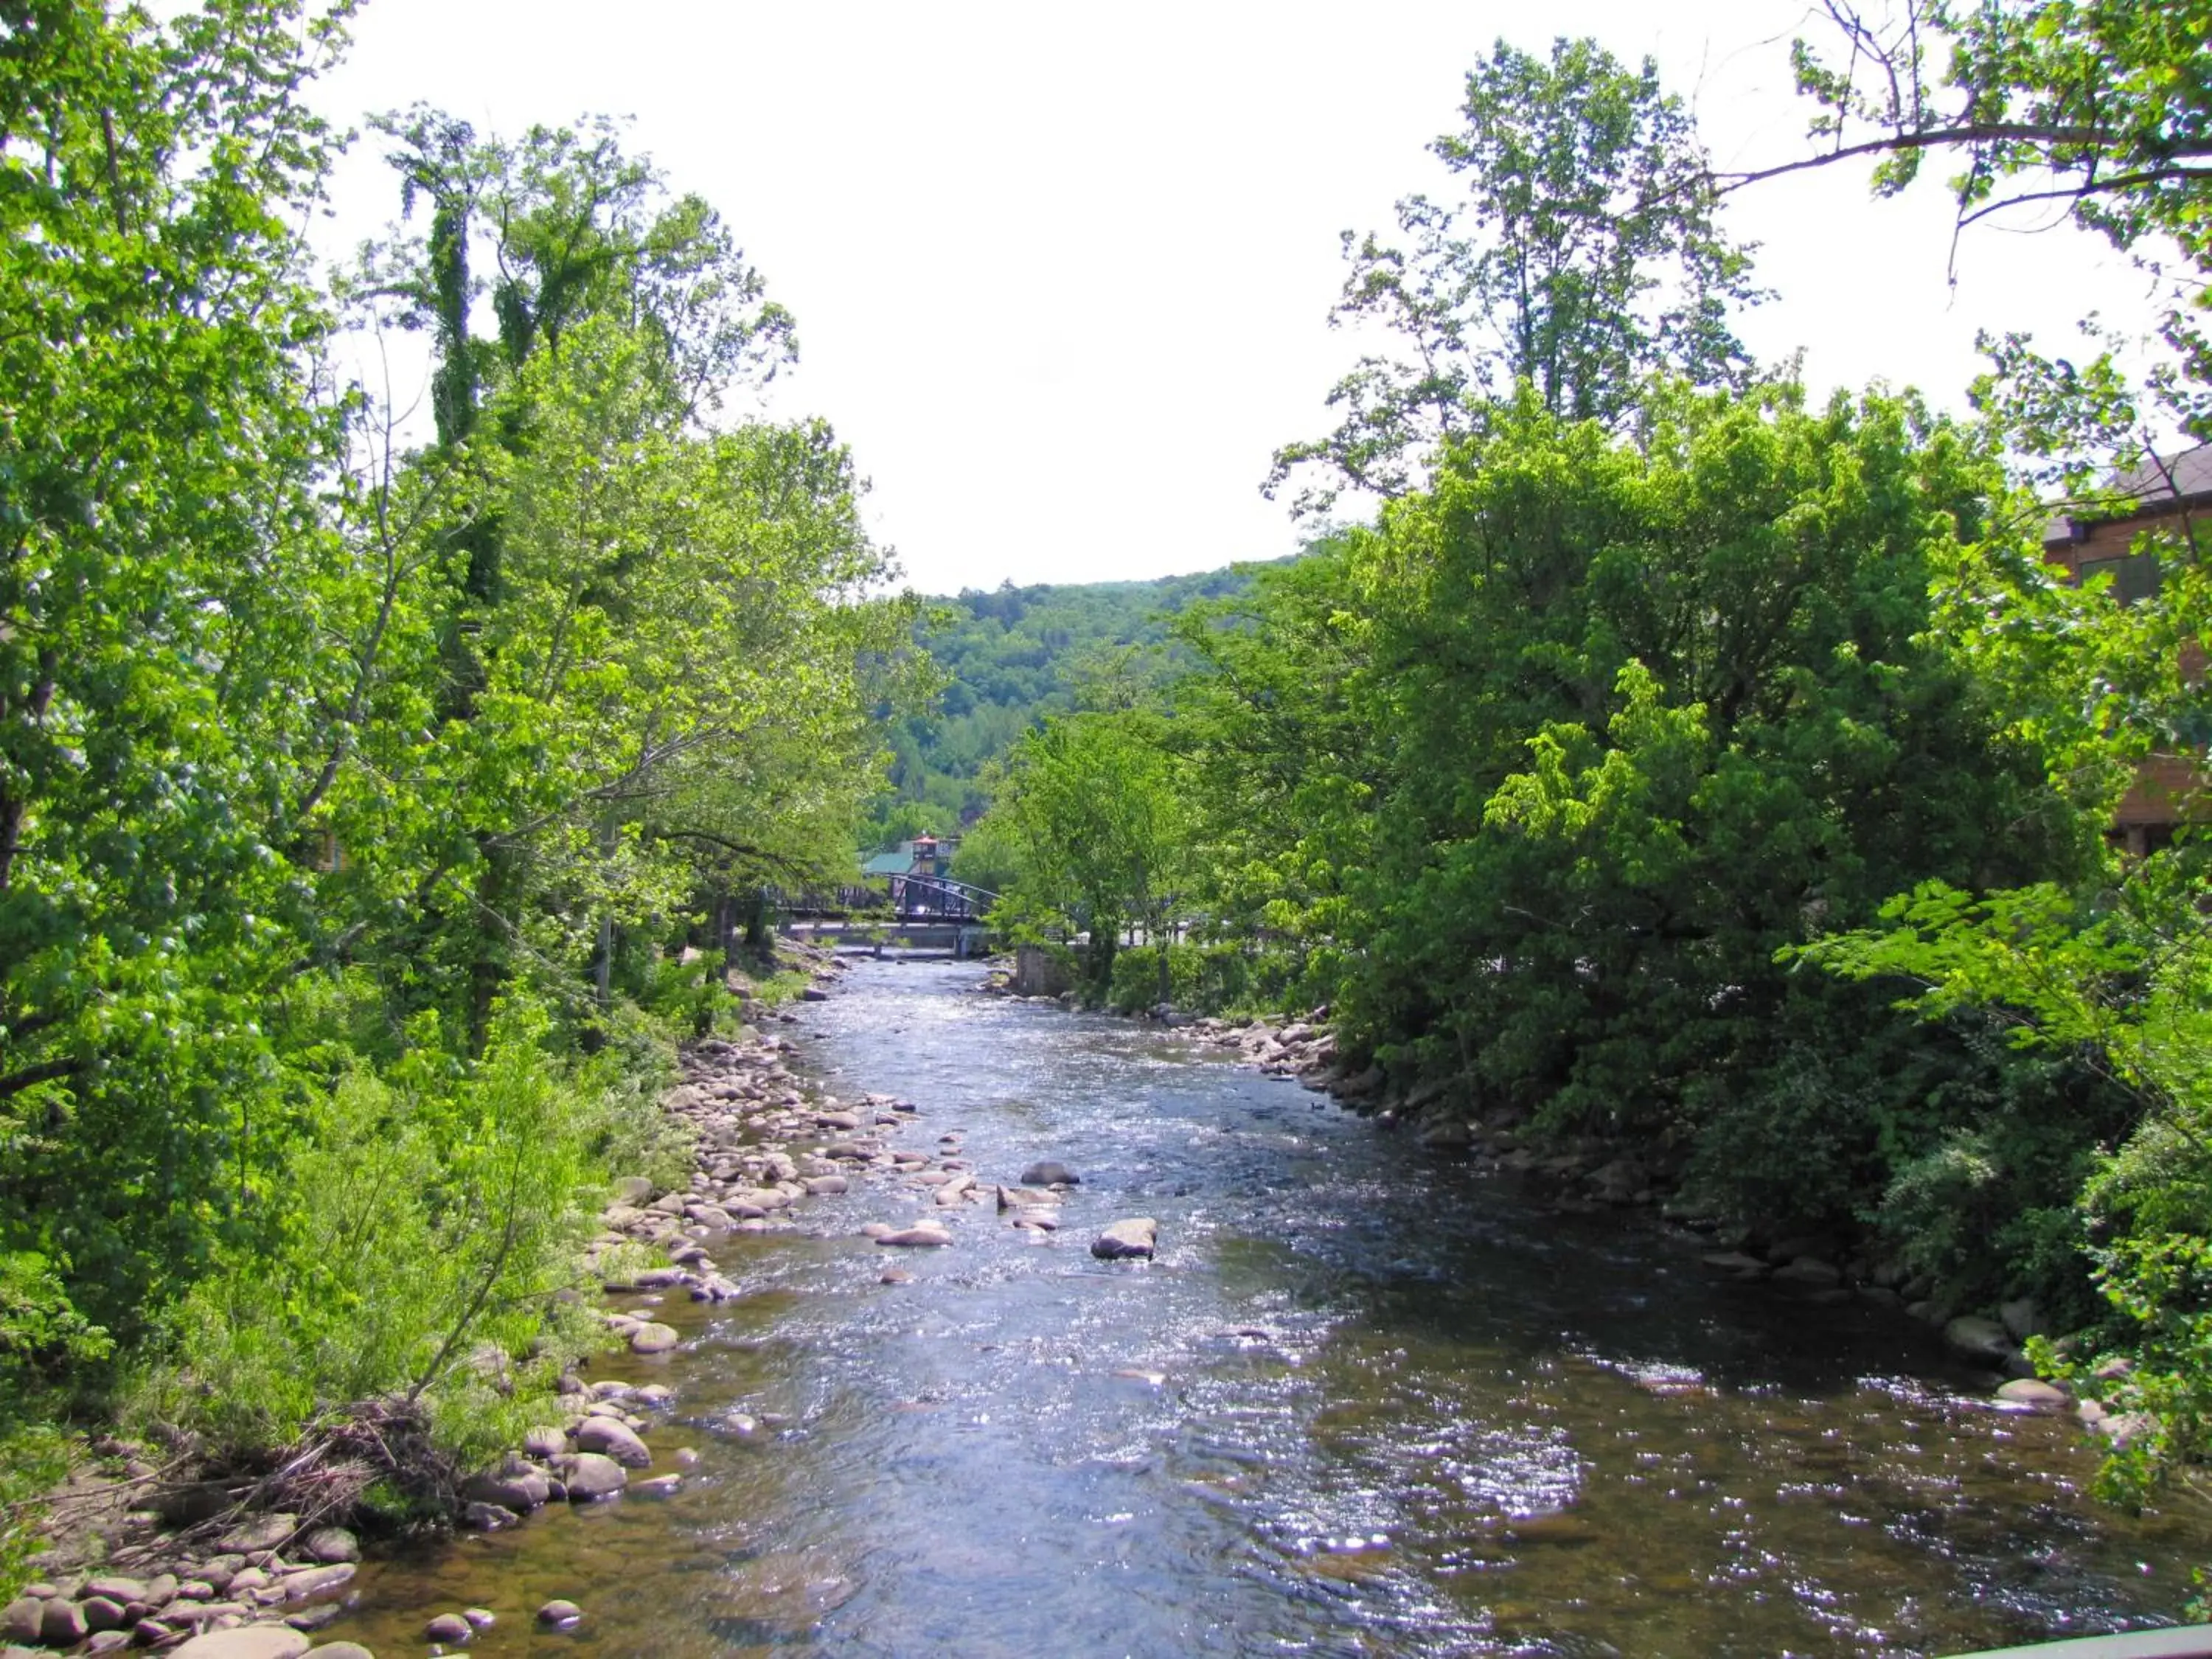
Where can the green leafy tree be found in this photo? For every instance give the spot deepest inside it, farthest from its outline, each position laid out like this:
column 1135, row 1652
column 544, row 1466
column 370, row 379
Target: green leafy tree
column 1092, row 803
column 1586, row 256
column 161, row 557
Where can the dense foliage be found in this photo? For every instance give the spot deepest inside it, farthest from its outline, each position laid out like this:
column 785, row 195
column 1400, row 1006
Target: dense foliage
column 354, row 797
column 1728, row 778
column 1010, row 659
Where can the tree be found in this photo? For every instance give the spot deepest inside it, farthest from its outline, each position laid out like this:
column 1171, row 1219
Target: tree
column 2099, row 108
column 163, row 558
column 2094, row 106
column 1092, row 803
column 1586, row 257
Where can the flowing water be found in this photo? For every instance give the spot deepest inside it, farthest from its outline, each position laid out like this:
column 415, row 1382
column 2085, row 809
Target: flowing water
column 1366, row 1402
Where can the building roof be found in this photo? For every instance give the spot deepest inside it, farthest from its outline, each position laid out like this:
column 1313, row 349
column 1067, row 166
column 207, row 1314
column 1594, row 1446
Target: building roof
column 2154, row 486
column 888, row 864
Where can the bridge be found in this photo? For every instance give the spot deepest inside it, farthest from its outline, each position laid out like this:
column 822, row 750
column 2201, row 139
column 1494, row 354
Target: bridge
column 912, row 913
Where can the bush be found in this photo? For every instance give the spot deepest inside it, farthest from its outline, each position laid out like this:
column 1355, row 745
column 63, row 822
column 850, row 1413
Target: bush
column 430, row 1229
column 1201, row 978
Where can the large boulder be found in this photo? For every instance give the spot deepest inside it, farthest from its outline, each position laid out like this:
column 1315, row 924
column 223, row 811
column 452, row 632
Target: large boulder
column 1137, row 1237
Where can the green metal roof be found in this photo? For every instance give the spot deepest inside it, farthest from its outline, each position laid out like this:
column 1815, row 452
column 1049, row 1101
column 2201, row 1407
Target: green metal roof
column 888, row 864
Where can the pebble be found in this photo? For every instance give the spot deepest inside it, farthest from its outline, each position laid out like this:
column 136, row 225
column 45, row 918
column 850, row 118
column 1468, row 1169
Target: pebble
column 452, row 1628
column 560, row 1614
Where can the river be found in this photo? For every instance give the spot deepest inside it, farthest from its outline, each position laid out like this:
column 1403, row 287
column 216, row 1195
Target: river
column 1366, row 1401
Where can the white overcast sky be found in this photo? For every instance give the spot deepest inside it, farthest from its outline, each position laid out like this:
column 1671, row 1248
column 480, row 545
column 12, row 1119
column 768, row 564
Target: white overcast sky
column 1062, row 273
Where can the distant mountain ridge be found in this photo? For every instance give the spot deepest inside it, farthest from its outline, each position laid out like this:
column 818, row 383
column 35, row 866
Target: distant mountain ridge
column 1013, row 655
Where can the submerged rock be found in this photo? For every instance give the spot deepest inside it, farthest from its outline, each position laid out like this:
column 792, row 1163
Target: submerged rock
column 1050, row 1173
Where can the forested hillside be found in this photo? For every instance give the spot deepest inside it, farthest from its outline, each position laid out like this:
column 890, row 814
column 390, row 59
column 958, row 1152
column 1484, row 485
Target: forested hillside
column 1012, row 657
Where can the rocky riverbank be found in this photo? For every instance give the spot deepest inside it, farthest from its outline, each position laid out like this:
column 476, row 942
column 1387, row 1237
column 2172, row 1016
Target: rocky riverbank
column 769, row 1151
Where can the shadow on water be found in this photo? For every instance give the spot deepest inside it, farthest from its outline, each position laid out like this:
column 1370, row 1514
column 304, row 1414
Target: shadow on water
column 1366, row 1402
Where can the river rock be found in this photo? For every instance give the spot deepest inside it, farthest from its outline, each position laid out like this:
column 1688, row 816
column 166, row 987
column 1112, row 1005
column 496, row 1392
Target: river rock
column 589, row 1475
column 545, row 1441
column 120, row 1590
column 2034, row 1393
column 309, row 1583
column 895, row 1276
column 924, row 1235
column 489, row 1517
column 633, row 1190
column 102, row 1613
column 1027, row 1198
column 1036, row 1220
column 1137, row 1237
column 814, row 994
column 264, row 1532
column 559, row 1614
column 831, row 1186
column 25, row 1619
column 517, row 1487
column 248, row 1641
column 1050, row 1173
column 1621, row 1182
column 2021, row 1318
column 654, row 1339
column 1809, row 1270
column 1447, row 1135
column 1972, row 1337
column 62, row 1623
column 615, row 1438
column 452, row 1627
column 330, row 1546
